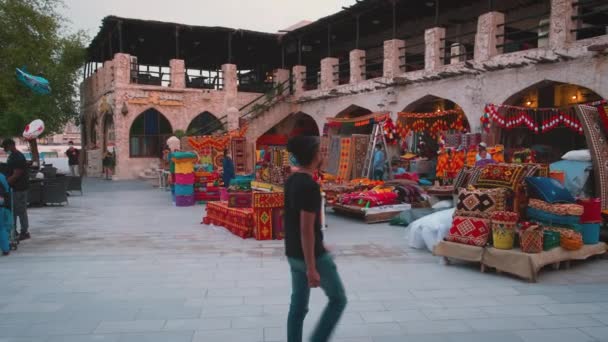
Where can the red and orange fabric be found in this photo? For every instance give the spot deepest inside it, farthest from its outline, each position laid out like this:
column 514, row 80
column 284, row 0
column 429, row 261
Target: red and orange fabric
column 238, row 221
column 448, row 165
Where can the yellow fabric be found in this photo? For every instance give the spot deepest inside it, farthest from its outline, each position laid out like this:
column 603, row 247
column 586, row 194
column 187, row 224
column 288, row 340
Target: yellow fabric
column 184, row 167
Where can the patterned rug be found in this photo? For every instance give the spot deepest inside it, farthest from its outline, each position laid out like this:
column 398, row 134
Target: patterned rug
column 360, row 143
column 333, row 157
column 345, row 166
column 597, row 143
column 238, row 146
column 324, row 149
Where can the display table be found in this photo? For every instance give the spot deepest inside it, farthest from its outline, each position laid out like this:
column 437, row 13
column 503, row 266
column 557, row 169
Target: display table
column 263, row 221
column 459, row 251
column 238, row 221
column 514, row 261
column 371, row 215
column 262, row 186
column 526, row 265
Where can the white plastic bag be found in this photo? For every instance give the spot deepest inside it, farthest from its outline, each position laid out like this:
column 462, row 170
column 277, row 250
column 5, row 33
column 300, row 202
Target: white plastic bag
column 431, row 229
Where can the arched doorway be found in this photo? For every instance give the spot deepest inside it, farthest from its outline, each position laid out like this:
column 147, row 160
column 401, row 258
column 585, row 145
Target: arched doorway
column 542, row 102
column 352, row 112
column 109, row 135
column 204, row 124
column 428, row 117
column 148, row 133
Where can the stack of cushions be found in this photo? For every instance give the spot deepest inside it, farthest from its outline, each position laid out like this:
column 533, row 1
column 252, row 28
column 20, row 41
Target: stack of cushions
column 370, row 199
column 551, row 204
column 471, row 222
column 184, row 178
column 206, row 186
column 591, row 220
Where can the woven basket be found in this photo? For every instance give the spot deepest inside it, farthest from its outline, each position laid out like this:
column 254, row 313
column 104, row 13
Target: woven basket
column 551, row 239
column 571, row 240
column 504, row 224
column 531, row 239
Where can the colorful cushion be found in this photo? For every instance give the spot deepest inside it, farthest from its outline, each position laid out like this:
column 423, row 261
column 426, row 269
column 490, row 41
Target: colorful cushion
column 557, row 209
column 507, row 176
column 548, row 190
column 463, row 177
column 469, row 230
column 548, row 218
column 480, row 203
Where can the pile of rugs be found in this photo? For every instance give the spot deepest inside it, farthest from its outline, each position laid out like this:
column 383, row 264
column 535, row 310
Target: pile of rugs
column 345, row 156
column 509, row 218
column 262, row 220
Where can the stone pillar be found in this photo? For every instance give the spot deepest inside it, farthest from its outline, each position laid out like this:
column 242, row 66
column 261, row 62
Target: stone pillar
column 178, row 73
column 232, row 116
column 357, row 66
column 329, row 80
column 230, row 85
column 299, row 79
column 457, row 53
column 394, row 58
column 279, row 76
column 485, row 39
column 122, row 68
column 434, row 43
column 561, row 24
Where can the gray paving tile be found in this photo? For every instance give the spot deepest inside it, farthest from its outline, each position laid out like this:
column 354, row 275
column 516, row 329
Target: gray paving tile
column 83, row 338
column 232, row 311
column 436, row 327
column 454, row 313
column 265, row 321
column 526, row 300
column 129, row 326
column 197, row 324
column 514, row 310
column 502, row 324
column 166, row 313
column 598, row 333
column 603, row 317
column 565, row 321
column 183, row 336
column 578, row 308
column 232, row 335
column 30, row 308
column 554, row 335
column 485, row 336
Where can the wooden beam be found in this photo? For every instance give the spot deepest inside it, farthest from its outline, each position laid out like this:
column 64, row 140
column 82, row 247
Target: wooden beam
column 120, row 46
column 177, row 42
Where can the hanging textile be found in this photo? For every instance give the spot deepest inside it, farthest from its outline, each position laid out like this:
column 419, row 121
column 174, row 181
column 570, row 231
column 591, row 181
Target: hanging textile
column 433, row 123
column 238, row 147
column 360, row 143
column 537, row 120
column 334, row 156
column 345, row 165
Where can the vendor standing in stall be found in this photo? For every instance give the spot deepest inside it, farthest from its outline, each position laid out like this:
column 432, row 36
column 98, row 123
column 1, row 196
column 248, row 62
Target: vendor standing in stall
column 379, row 162
column 310, row 263
column 228, row 169
column 483, row 157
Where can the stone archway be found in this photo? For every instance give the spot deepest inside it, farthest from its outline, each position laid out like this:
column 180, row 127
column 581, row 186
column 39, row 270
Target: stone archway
column 353, row 111
column 148, row 134
column 550, row 145
column 205, row 123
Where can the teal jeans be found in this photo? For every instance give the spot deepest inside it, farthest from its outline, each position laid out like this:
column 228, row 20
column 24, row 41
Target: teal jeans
column 300, row 293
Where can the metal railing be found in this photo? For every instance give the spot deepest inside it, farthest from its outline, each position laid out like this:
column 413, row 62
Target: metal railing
column 342, row 75
column 266, row 101
column 312, row 78
column 374, row 63
column 590, row 18
column 196, row 78
column 458, row 48
column 524, row 38
column 413, row 61
column 150, row 75
column 252, row 81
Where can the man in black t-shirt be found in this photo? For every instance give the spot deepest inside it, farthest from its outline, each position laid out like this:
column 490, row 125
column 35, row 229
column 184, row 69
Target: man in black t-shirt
column 19, row 181
column 73, row 155
column 310, row 263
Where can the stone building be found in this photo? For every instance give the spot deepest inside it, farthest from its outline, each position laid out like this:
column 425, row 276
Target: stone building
column 373, row 56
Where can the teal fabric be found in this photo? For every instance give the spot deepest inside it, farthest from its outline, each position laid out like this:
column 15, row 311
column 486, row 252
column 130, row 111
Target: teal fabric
column 184, row 190
column 549, row 190
column 300, row 294
column 6, row 218
column 576, row 175
column 550, row 218
column 183, row 155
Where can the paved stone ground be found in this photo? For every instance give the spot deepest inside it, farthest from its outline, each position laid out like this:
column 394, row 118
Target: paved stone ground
column 122, row 264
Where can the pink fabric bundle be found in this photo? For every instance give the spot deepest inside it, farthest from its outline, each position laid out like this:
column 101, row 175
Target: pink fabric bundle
column 184, row 179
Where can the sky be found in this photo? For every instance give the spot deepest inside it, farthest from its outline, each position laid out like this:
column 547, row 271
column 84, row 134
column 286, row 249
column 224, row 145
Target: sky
column 259, row 15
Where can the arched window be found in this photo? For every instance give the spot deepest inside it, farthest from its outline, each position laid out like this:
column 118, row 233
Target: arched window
column 148, row 134
column 204, row 124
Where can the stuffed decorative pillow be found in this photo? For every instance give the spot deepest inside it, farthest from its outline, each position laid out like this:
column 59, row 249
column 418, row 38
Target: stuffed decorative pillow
column 578, row 155
column 507, row 176
column 462, row 179
column 548, row 190
column 469, row 230
column 557, row 209
column 480, row 203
